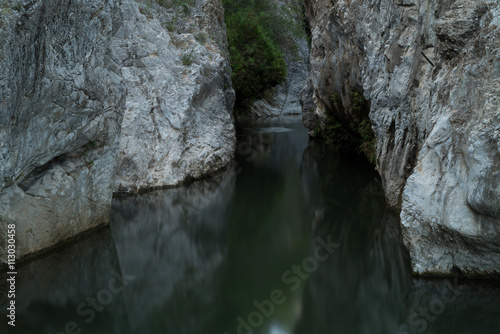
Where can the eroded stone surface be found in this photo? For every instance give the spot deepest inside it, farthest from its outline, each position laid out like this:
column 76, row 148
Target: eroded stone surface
column 431, row 72
column 178, row 117
column 70, row 74
column 61, row 102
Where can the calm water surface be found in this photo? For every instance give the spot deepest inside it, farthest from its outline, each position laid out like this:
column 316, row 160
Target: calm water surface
column 245, row 252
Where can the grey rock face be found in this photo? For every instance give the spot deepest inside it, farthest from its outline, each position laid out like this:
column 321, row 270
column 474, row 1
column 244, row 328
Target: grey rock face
column 61, row 101
column 69, row 74
column 177, row 122
column 62, row 281
column 431, row 71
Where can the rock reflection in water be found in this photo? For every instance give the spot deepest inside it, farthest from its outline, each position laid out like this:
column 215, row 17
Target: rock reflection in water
column 363, row 284
column 175, row 241
column 365, row 287
column 50, row 290
column 203, row 253
column 437, row 306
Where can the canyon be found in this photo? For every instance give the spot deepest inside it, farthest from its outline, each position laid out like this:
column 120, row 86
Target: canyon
column 106, row 97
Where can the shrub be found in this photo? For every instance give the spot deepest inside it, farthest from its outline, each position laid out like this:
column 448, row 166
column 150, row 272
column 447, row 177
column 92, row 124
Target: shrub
column 256, row 61
column 282, row 23
column 187, row 59
column 201, row 38
column 165, row 3
column 170, row 25
column 258, row 32
column 361, row 124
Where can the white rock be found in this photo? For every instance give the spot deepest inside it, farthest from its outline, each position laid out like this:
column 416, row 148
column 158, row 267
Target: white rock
column 437, row 152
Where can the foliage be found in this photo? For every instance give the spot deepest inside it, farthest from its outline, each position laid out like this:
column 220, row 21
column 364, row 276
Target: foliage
column 282, row 23
column 187, row 59
column 90, row 145
column 256, row 61
column 334, row 132
column 171, row 24
column 358, row 102
column 259, row 31
column 146, row 9
column 168, row 4
column 201, row 38
column 353, row 135
column 361, row 124
column 336, row 99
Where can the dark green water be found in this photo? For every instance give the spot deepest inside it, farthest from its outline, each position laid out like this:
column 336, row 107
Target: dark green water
column 293, row 239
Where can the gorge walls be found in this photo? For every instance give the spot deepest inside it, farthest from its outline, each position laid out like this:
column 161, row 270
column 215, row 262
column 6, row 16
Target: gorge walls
column 103, row 96
column 431, row 71
column 94, row 89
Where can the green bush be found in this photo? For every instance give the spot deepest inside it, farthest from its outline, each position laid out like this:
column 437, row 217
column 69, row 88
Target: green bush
column 259, row 31
column 362, row 126
column 335, row 133
column 282, row 24
column 187, row 59
column 256, row 61
column 201, row 38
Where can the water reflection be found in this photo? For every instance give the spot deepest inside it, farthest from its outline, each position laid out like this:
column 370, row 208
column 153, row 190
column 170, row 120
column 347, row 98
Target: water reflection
column 232, row 254
column 452, row 306
column 175, row 242
column 58, row 289
column 363, row 284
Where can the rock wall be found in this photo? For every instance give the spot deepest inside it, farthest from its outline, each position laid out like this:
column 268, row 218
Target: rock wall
column 70, row 73
column 431, row 71
column 61, row 102
column 178, row 116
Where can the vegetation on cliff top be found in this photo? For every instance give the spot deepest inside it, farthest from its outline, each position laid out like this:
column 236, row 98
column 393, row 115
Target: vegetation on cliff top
column 259, row 32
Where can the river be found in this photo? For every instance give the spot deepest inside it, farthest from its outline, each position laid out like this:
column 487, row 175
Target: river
column 290, row 239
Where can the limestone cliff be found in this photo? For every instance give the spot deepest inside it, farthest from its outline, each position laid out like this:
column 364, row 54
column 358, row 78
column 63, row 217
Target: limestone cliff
column 431, row 71
column 70, row 72
column 61, row 103
column 178, row 115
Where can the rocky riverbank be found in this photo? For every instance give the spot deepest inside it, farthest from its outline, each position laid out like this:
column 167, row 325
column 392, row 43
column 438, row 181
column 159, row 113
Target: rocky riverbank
column 431, row 72
column 103, row 96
